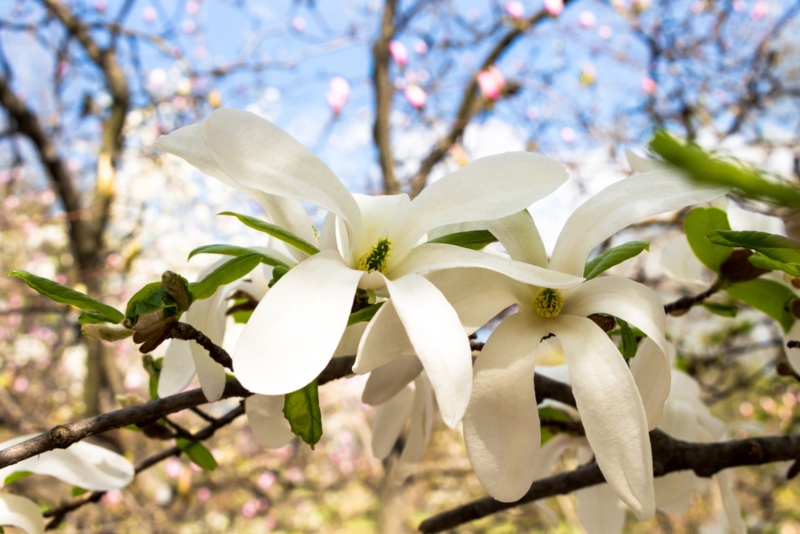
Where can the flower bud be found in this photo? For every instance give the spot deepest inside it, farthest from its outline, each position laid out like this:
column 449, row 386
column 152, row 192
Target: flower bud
column 737, row 268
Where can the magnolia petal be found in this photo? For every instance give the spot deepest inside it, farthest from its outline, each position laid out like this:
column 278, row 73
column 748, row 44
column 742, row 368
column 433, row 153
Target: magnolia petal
column 477, row 295
column 262, row 156
column 550, row 453
column 621, row 297
column 439, row 340
column 448, row 229
column 177, row 369
column 22, row 513
column 267, row 423
column 297, row 326
column 348, row 345
column 742, row 219
column 651, row 372
column 611, row 411
column 208, row 316
column 793, row 354
column 384, row 341
column 288, row 213
column 640, row 164
column 388, row 421
column 189, row 144
column 387, row 380
column 436, row 256
column 485, row 189
column 733, row 513
column 674, row 492
column 81, row 464
column 520, row 237
column 680, row 264
column 501, row 426
column 419, row 429
column 620, row 205
column 599, row 510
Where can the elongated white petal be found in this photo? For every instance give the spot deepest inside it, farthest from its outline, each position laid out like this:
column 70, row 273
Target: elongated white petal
column 485, row 189
column 22, row 513
column 387, row 380
column 388, row 421
column 742, row 219
column 435, row 256
column 611, row 411
column 600, row 510
column 419, row 429
column 177, row 370
column 267, row 423
column 680, row 264
column 619, row 205
column 448, row 229
column 208, row 316
column 674, row 492
column 439, row 341
column 262, row 156
column 296, row 328
column 640, row 164
column 81, row 464
column 651, row 372
column 384, row 341
column 477, row 295
column 733, row 513
column 348, row 345
column 621, row 297
column 501, row 426
column 550, row 453
column 520, row 237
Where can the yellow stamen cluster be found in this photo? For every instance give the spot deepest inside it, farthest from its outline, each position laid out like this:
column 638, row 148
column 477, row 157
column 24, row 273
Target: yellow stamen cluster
column 376, row 259
column 548, row 302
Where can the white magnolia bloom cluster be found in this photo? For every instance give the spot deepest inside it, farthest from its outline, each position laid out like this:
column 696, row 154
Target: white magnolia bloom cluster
column 83, row 465
column 416, row 346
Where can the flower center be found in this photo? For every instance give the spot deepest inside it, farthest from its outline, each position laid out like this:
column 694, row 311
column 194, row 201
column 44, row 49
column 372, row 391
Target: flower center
column 548, row 302
column 376, row 258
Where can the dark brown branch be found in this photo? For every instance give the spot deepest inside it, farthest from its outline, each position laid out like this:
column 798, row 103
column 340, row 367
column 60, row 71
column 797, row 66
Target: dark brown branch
column 58, row 514
column 187, row 332
column 669, row 455
column 384, row 90
column 684, row 304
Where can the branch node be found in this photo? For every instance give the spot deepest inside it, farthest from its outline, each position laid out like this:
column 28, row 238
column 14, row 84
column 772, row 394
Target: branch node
column 62, row 437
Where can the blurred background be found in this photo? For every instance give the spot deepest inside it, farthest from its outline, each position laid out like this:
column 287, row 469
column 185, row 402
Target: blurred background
column 391, row 95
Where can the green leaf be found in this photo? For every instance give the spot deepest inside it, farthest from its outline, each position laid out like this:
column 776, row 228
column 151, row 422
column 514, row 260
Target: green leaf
column 149, row 299
column 18, row 475
column 276, row 231
column 197, row 453
column 759, row 260
column 767, row 296
column 364, row 314
column 549, row 413
column 614, row 256
column 64, row 295
column 92, row 318
column 781, row 249
column 699, row 223
column 228, row 272
column 232, row 250
column 77, row 491
column 702, row 167
column 724, row 310
column 473, row 239
column 629, row 341
column 301, row 409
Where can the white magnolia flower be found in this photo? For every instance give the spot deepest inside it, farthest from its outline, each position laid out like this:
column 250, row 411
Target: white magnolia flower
column 368, row 243
column 500, row 427
column 82, row 464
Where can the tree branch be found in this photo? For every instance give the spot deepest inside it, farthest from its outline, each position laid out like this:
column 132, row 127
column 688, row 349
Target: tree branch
column 381, row 128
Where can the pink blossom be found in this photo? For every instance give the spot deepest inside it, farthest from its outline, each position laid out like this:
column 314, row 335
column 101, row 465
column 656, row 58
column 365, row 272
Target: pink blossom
column 554, row 7
column 586, row 19
column 399, row 53
column 173, row 467
column 20, row 384
column 299, row 24
column 605, row 32
column 420, row 47
column 515, row 9
column 250, row 509
column 203, row 493
column 649, row 85
column 188, row 27
column 266, row 480
column 100, row 5
column 492, row 82
column 149, row 14
column 192, row 7
column 739, row 6
column 112, row 497
column 760, row 10
column 416, row 96
column 337, row 95
column 567, row 134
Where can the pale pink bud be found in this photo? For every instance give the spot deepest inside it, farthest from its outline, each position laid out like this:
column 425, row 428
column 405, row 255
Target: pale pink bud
column 515, row 10
column 338, row 93
column 605, row 32
column 100, row 5
column 567, row 134
column 149, row 14
column 554, row 7
column 299, row 24
column 188, row 27
column 739, row 6
column 492, row 82
column 649, row 85
column 586, row 19
column 192, row 7
column 760, row 10
column 398, row 52
column 420, row 47
column 416, row 96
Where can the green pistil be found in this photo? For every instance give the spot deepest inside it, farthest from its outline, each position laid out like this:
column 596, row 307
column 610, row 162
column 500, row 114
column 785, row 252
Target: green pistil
column 376, row 258
column 548, row 303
